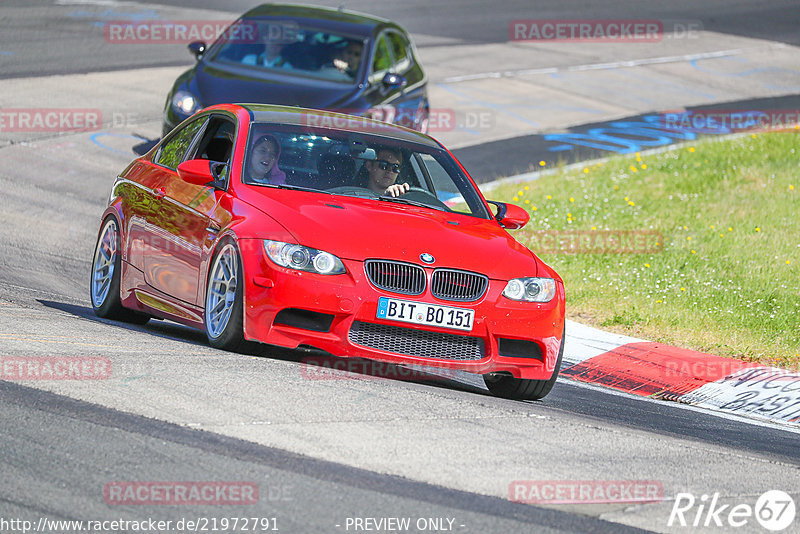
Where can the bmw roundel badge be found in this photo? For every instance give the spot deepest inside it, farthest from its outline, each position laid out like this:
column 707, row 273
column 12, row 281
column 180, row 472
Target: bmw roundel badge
column 427, row 258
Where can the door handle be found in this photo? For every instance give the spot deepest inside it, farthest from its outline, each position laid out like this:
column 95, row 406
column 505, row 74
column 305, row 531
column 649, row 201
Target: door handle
column 160, row 192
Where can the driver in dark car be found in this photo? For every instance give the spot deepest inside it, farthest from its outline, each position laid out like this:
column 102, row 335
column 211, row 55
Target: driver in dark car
column 383, row 171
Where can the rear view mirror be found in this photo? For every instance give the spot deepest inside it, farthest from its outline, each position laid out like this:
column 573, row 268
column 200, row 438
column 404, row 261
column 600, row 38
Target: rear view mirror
column 393, row 81
column 197, row 172
column 510, row 216
column 197, row 48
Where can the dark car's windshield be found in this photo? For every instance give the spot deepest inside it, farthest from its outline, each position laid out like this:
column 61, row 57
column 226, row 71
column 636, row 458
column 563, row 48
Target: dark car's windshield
column 356, row 164
column 280, row 44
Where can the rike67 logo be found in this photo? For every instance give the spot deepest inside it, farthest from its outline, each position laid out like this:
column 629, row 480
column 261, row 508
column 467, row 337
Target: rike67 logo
column 774, row 510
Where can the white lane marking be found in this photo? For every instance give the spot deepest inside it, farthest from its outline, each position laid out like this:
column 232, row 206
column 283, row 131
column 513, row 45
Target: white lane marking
column 715, row 413
column 609, row 65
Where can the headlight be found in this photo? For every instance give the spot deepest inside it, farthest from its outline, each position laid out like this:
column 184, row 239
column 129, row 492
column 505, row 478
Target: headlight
column 531, row 289
column 184, row 102
column 303, row 258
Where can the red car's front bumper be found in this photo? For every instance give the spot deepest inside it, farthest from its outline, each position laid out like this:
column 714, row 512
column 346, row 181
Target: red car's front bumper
column 291, row 308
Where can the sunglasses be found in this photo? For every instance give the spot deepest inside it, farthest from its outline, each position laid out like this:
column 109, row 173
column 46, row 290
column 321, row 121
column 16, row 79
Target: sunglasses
column 383, row 165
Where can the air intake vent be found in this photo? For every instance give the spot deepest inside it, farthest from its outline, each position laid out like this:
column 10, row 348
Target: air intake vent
column 396, row 277
column 464, row 286
column 415, row 342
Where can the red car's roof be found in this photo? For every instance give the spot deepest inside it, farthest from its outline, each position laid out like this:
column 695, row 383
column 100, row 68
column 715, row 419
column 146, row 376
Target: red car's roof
column 336, row 121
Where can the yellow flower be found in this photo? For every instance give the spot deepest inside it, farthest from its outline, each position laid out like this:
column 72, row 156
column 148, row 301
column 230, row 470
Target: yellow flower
column 594, row 228
column 526, row 188
column 730, row 229
column 515, row 199
column 616, row 187
column 626, row 199
column 542, row 163
column 549, row 197
column 534, row 208
column 658, row 301
column 571, row 199
column 693, row 252
column 753, row 136
column 691, row 149
column 712, row 226
column 788, row 262
column 644, row 165
column 569, row 215
column 631, row 203
column 722, row 235
column 758, row 229
column 527, row 201
column 683, row 289
column 633, row 169
column 586, row 170
column 791, row 187
column 688, row 238
column 647, row 265
column 520, row 193
column 684, row 227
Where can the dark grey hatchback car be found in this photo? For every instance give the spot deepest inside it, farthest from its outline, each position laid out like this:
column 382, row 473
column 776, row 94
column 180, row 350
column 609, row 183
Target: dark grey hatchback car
column 312, row 57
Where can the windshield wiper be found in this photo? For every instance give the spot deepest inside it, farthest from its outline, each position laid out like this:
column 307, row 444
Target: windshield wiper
column 401, row 200
column 297, row 188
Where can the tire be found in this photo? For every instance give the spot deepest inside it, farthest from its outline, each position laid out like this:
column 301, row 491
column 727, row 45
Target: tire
column 508, row 387
column 105, row 276
column 223, row 315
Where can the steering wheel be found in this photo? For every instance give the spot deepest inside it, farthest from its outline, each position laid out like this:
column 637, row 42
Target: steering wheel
column 418, row 194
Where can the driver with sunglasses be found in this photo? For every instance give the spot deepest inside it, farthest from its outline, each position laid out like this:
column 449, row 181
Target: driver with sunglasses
column 383, row 172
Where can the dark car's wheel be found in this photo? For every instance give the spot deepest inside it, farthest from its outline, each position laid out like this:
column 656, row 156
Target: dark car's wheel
column 223, row 311
column 508, row 387
column 106, row 272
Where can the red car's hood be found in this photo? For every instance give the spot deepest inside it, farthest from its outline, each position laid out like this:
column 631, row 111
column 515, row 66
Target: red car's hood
column 358, row 229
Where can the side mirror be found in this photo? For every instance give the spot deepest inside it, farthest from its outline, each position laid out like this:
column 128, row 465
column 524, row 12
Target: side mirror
column 510, row 216
column 392, row 81
column 197, row 48
column 197, row 172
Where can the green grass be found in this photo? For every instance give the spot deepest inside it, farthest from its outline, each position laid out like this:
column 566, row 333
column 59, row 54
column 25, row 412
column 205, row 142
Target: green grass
column 725, row 279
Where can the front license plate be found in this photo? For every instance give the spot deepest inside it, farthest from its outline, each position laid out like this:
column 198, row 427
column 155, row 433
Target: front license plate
column 421, row 313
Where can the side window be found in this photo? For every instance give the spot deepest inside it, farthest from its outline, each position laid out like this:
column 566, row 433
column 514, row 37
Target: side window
column 382, row 61
column 399, row 46
column 217, row 141
column 171, row 154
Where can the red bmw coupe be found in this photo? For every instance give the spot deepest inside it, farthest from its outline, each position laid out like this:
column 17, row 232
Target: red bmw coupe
column 296, row 227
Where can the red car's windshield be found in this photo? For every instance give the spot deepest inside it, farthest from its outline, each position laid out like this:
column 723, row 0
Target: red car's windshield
column 357, row 165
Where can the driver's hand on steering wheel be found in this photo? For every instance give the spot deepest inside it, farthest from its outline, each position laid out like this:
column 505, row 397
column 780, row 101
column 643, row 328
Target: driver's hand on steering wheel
column 395, row 190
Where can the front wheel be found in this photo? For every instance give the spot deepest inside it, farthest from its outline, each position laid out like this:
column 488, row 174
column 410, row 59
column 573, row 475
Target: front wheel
column 223, row 311
column 106, row 272
column 508, row 387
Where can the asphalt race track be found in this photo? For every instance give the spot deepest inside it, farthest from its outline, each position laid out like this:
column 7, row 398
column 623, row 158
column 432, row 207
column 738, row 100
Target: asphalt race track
column 349, row 452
